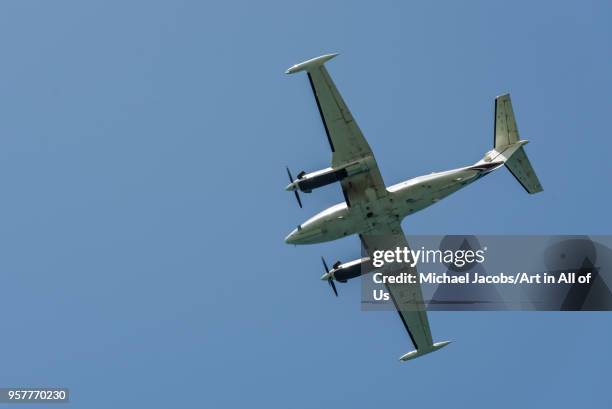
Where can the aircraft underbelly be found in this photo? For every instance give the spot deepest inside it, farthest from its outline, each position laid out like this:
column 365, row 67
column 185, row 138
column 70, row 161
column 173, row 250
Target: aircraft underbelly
column 410, row 197
column 332, row 225
column 417, row 196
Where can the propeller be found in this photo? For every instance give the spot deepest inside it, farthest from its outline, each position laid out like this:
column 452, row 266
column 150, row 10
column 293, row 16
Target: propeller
column 295, row 191
column 329, row 278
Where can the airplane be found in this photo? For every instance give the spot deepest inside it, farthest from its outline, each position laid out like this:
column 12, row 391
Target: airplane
column 374, row 211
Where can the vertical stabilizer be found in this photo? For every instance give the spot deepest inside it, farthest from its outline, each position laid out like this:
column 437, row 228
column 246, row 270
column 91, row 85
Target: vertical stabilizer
column 505, row 131
column 506, row 141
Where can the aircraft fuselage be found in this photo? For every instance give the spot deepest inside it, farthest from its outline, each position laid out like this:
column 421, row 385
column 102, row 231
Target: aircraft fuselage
column 400, row 201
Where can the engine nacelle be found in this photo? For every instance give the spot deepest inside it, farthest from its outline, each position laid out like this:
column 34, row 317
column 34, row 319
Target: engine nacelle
column 306, row 182
column 345, row 271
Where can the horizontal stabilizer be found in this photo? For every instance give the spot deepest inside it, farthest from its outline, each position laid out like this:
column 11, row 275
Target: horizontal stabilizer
column 521, row 169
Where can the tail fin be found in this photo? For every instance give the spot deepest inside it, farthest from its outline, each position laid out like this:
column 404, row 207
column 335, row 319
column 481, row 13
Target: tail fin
column 510, row 147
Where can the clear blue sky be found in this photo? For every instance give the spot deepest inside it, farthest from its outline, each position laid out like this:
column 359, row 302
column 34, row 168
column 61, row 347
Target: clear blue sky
column 142, row 211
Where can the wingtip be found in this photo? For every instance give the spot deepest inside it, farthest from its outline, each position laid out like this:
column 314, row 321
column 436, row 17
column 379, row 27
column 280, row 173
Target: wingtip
column 417, row 353
column 504, row 95
column 439, row 345
column 309, row 64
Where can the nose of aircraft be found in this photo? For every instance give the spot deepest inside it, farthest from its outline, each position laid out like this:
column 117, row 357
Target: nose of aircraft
column 292, row 237
column 304, row 234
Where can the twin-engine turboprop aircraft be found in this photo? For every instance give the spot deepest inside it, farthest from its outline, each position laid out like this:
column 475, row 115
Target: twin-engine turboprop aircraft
column 374, row 211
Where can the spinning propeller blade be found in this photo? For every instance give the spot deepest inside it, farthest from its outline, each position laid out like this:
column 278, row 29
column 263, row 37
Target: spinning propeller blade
column 295, row 192
column 330, row 280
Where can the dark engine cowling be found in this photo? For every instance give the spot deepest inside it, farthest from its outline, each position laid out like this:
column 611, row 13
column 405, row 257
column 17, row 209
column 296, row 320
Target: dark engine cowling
column 345, row 271
column 306, row 182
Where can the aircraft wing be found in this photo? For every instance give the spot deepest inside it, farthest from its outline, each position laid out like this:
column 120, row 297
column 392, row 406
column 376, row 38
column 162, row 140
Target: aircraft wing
column 346, row 141
column 407, row 298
